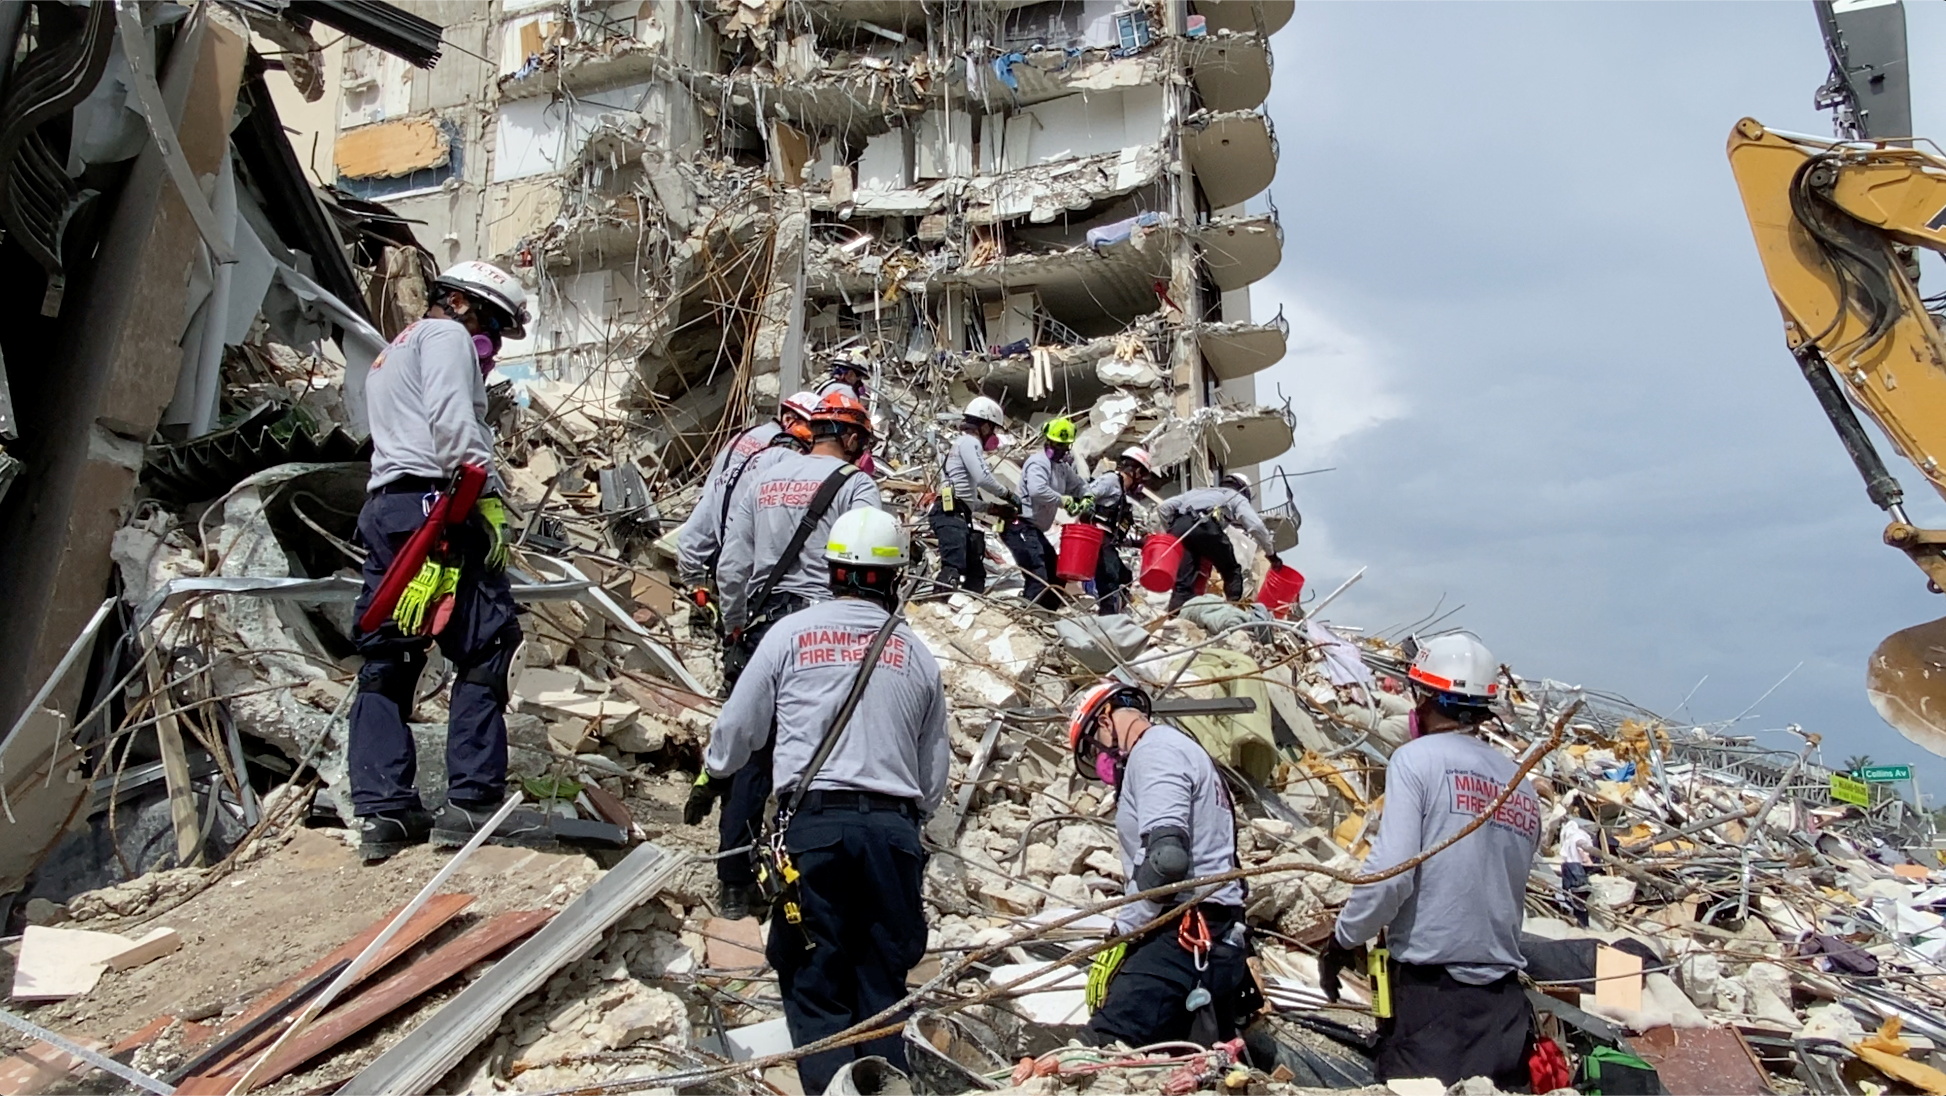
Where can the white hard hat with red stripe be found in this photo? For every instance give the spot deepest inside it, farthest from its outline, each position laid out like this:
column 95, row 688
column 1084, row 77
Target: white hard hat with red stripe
column 1139, row 457
column 1458, row 665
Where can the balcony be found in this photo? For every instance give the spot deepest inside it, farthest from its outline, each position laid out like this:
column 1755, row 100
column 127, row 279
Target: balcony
column 1234, row 350
column 1241, row 437
column 1241, row 251
column 1231, row 71
column 1233, row 155
column 1265, row 17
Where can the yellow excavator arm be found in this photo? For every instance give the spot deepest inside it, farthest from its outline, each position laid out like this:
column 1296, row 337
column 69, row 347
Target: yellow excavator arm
column 1835, row 224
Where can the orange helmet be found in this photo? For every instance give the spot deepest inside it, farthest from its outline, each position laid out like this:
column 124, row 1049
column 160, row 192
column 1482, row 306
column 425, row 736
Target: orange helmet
column 838, row 409
column 1081, row 740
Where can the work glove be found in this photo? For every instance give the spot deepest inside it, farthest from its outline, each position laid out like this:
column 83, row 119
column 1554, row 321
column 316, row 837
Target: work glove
column 499, row 542
column 705, row 617
column 416, row 602
column 1102, row 971
column 1077, row 506
column 702, row 799
column 1333, row 961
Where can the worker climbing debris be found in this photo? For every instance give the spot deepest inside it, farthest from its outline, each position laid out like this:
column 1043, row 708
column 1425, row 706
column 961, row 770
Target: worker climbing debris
column 1197, row 520
column 964, row 476
column 852, row 701
column 1048, row 481
column 1108, row 503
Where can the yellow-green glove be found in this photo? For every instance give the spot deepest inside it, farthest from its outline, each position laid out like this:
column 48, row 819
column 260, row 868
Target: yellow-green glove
column 424, row 589
column 499, row 543
column 1102, row 971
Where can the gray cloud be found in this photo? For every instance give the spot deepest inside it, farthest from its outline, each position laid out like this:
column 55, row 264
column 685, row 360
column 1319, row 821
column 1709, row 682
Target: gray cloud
column 1531, row 331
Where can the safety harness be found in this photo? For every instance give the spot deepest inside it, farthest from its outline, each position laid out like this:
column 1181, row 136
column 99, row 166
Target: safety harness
column 777, row 875
column 794, row 551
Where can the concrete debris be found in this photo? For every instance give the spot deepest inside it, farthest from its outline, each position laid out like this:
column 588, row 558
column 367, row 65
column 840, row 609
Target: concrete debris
column 711, row 204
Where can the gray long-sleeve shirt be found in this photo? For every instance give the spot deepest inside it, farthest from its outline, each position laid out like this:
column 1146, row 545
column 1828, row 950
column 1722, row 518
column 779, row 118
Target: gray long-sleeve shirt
column 967, row 473
column 427, row 405
column 1230, row 502
column 702, row 534
column 1043, row 483
column 763, row 520
column 896, row 741
column 1170, row 781
column 1473, row 893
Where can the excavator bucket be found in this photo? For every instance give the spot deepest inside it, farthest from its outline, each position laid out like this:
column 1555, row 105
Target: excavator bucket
column 1906, row 681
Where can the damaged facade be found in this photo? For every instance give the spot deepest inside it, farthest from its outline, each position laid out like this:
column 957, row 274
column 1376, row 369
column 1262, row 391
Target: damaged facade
column 1059, row 205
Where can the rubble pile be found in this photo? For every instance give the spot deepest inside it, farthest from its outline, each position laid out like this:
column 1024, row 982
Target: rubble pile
column 1753, row 920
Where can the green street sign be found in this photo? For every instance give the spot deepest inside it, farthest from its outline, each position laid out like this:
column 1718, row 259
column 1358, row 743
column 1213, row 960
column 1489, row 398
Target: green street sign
column 1885, row 774
column 1846, row 790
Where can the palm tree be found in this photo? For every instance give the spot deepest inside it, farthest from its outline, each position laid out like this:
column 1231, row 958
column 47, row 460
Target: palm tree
column 1858, row 761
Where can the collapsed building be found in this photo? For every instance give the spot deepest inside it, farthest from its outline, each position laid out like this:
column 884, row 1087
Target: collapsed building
column 1054, row 204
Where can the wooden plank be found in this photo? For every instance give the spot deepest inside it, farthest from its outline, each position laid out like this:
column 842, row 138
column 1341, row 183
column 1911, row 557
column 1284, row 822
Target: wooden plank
column 390, row 149
column 175, row 771
column 141, row 1036
column 419, row 1060
column 1618, row 979
column 612, row 810
column 40, row 1067
column 440, row 909
column 416, row 980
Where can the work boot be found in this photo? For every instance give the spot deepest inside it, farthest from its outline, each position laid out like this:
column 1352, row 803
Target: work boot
column 458, row 822
column 383, row 836
column 733, row 900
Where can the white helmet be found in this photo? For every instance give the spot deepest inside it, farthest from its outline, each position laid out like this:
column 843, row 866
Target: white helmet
column 805, row 404
column 1237, row 481
column 868, row 537
column 1139, row 456
column 986, row 409
column 1458, row 665
column 493, row 285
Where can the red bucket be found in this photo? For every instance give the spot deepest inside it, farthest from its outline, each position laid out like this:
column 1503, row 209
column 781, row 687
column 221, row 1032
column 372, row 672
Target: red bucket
column 1161, row 555
column 1280, row 589
column 1080, row 552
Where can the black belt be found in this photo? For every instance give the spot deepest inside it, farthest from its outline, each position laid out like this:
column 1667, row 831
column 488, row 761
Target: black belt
column 856, row 801
column 409, row 485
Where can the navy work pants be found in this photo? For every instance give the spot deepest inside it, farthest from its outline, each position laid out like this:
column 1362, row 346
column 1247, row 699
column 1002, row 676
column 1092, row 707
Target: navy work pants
column 743, row 808
column 962, row 546
column 863, row 931
column 1035, row 556
column 1146, row 997
column 1111, row 579
column 479, row 640
column 1203, row 539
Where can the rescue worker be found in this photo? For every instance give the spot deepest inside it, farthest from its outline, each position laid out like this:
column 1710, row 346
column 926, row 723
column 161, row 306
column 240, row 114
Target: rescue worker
column 763, row 581
column 1048, row 481
column 700, row 540
column 1197, row 519
column 850, row 375
column 1189, row 978
column 1107, row 502
column 854, row 839
column 962, row 545
column 426, row 399
column 1452, row 923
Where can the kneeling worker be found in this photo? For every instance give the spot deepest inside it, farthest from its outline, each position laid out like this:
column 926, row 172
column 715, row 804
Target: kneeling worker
column 1452, row 924
column 854, row 838
column 1048, row 480
column 1187, row 979
column 1197, row 518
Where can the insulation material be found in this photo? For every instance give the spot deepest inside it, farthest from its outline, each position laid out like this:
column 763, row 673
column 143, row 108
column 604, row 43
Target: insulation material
column 391, row 149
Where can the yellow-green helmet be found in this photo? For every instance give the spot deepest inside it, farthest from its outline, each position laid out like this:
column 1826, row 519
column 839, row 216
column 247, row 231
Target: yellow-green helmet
column 1060, row 431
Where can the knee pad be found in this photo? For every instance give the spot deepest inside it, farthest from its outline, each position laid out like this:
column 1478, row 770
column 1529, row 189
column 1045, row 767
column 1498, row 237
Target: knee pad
column 393, row 678
column 491, row 672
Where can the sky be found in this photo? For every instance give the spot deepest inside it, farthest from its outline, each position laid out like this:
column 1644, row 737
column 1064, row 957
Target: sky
column 1530, row 331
